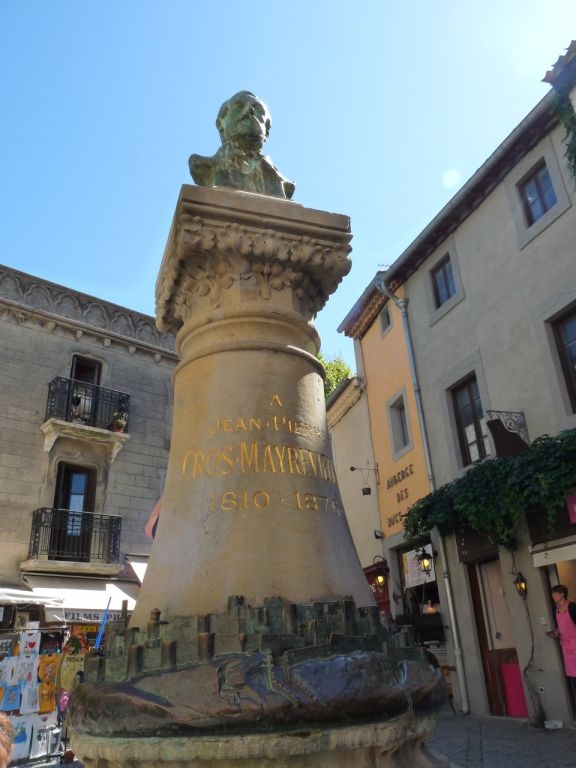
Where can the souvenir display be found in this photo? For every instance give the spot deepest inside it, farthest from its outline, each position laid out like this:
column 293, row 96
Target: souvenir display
column 29, row 675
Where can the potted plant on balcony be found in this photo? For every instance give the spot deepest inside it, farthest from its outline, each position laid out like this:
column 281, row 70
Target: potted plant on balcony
column 119, row 422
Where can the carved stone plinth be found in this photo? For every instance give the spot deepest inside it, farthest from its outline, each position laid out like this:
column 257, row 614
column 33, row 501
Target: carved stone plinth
column 397, row 743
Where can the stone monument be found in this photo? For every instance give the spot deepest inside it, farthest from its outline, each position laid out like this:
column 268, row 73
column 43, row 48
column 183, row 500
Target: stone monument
column 255, row 640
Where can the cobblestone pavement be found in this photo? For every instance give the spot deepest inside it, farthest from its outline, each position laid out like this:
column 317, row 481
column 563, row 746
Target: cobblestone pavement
column 501, row 742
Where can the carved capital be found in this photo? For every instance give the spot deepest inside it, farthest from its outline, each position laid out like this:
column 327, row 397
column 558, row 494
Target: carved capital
column 221, row 238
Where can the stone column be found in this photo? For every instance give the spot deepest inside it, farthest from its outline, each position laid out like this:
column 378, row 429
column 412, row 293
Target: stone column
column 251, row 505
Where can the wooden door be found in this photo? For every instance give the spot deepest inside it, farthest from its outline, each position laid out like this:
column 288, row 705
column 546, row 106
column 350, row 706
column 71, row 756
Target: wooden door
column 495, row 633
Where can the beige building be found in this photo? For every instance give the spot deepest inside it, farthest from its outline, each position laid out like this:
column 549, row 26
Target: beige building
column 396, row 437
column 358, row 480
column 491, row 291
column 85, row 404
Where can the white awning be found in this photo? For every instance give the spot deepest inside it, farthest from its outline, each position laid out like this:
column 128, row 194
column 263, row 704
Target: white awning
column 83, row 600
column 23, row 597
column 555, row 554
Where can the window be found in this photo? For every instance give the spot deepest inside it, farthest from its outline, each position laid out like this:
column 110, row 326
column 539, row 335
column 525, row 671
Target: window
column 71, row 531
column 85, row 369
column 470, row 422
column 385, row 320
column 565, row 335
column 86, row 373
column 537, row 193
column 443, row 282
column 399, row 425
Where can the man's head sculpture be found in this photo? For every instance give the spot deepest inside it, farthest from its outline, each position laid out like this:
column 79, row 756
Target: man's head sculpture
column 244, row 120
column 243, row 123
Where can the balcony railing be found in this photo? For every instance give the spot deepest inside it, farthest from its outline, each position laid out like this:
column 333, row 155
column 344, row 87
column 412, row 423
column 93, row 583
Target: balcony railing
column 509, row 432
column 82, row 537
column 87, row 404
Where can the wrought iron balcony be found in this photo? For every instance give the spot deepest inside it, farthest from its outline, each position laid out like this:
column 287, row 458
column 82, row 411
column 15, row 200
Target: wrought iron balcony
column 77, row 401
column 509, row 432
column 81, row 537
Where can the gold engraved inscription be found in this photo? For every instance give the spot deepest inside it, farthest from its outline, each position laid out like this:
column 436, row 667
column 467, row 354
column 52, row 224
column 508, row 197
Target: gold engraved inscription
column 246, row 457
column 257, row 458
column 254, row 424
column 243, row 500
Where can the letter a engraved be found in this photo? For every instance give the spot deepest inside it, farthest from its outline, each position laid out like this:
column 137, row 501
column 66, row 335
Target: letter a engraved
column 276, row 401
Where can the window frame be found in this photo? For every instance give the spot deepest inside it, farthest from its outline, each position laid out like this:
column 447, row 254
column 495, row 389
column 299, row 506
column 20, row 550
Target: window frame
column 534, row 177
column 567, row 367
column 544, row 152
column 399, row 429
column 71, row 535
column 385, row 317
column 449, row 281
column 86, row 369
column 446, row 252
column 481, row 437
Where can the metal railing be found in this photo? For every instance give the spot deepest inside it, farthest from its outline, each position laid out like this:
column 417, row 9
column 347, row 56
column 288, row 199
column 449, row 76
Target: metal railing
column 65, row 534
column 509, row 432
column 87, row 404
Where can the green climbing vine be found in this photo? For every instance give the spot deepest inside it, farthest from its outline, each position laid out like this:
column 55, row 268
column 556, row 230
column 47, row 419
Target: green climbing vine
column 568, row 120
column 493, row 496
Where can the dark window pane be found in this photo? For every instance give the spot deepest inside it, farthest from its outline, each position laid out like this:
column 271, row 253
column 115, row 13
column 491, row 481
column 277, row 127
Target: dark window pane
column 443, row 282
column 472, row 433
column 565, row 333
column 547, row 188
column 537, row 194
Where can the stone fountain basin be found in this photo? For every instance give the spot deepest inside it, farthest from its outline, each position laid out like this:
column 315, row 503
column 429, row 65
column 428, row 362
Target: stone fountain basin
column 252, row 693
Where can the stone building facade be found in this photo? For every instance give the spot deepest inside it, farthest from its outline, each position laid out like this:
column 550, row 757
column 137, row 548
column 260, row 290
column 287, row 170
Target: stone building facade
column 85, row 406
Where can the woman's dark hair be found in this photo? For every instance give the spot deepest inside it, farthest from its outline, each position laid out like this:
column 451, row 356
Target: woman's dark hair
column 562, row 590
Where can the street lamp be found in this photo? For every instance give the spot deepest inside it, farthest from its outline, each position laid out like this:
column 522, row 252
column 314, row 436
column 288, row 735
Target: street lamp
column 425, row 561
column 382, row 570
column 366, row 490
column 521, row 586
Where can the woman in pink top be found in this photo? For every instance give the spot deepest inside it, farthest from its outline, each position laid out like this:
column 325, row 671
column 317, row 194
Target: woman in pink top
column 566, row 630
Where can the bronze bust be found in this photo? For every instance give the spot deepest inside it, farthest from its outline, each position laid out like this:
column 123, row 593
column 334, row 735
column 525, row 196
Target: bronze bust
column 244, row 125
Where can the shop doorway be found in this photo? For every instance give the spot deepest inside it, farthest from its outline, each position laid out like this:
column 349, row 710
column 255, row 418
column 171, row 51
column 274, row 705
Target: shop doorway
column 562, row 572
column 495, row 633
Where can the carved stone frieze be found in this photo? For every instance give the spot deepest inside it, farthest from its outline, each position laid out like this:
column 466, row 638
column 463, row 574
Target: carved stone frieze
column 24, row 293
column 208, row 255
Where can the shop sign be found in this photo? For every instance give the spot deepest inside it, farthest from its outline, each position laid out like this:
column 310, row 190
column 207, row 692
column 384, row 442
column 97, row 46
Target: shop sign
column 91, row 616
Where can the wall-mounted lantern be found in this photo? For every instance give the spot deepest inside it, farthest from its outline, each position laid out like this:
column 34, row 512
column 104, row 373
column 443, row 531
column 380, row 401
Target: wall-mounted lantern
column 426, row 560
column 381, row 572
column 521, row 586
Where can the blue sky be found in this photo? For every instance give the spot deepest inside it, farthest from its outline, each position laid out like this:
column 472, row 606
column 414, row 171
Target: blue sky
column 380, row 111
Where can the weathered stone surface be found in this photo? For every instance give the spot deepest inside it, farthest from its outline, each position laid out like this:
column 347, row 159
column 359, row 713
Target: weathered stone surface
column 397, row 743
column 251, row 504
column 251, row 693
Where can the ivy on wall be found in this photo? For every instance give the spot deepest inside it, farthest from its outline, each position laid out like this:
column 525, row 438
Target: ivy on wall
column 568, row 120
column 493, row 496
